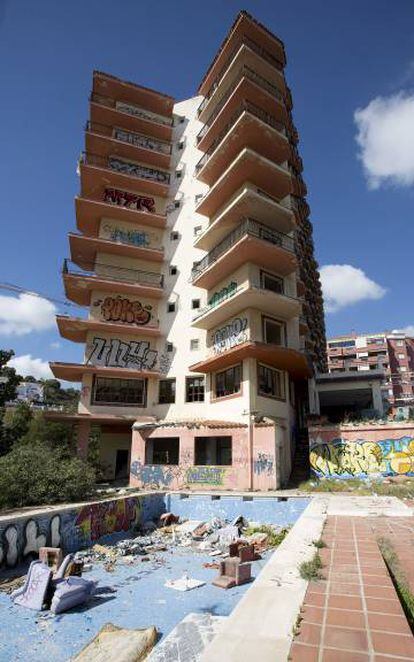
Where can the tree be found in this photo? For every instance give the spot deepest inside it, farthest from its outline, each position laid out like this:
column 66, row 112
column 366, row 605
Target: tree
column 54, row 394
column 9, row 380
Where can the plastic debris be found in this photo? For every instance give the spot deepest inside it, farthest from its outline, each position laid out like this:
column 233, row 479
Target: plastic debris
column 185, row 583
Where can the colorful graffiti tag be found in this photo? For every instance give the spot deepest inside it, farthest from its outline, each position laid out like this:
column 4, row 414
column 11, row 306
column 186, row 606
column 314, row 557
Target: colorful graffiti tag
column 137, row 238
column 100, row 519
column 263, row 465
column 119, row 309
column 205, row 475
column 135, row 355
column 230, row 335
column 342, row 458
column 130, row 200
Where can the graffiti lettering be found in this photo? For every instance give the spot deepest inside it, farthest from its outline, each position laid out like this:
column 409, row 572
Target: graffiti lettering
column 263, row 465
column 133, row 237
column 126, row 311
column 140, row 112
column 205, row 475
column 137, row 170
column 142, row 141
column 135, row 355
column 152, row 476
column 230, row 335
column 100, row 519
column 131, row 200
column 224, row 293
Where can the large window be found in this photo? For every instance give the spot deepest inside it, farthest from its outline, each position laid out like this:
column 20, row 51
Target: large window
column 166, row 392
column 213, row 451
column 270, row 382
column 273, row 331
column 194, row 389
column 227, row 381
column 271, row 282
column 164, row 450
column 119, row 392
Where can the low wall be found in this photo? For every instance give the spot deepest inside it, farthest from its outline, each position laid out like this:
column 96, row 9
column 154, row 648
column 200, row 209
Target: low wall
column 72, row 527
column 362, row 451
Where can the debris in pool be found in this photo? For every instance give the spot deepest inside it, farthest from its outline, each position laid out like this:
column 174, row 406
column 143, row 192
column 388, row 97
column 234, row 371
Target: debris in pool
column 233, row 572
column 115, row 644
column 167, row 519
column 185, row 583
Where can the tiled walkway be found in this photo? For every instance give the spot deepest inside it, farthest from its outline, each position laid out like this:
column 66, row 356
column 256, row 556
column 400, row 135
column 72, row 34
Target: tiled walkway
column 354, row 615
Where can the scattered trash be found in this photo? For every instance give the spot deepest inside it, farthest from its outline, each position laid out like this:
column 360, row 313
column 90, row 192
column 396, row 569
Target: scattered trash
column 70, row 593
column 115, row 644
column 233, row 573
column 185, row 583
column 167, row 519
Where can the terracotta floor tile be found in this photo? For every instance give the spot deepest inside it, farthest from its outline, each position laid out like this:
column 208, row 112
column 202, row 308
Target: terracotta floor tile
column 344, row 602
column 335, row 655
column 309, row 634
column 315, row 599
column 388, row 623
column 344, row 589
column 312, row 614
column 345, row 618
column 316, row 587
column 393, row 644
column 384, row 606
column 380, row 592
column 344, row 638
column 301, row 653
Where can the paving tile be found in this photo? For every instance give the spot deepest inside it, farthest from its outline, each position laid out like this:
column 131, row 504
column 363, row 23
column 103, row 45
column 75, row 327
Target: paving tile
column 384, row 606
column 379, row 592
column 388, row 623
column 344, row 602
column 315, row 599
column 335, row 655
column 344, row 589
column 345, row 638
column 316, row 587
column 346, row 618
column 309, row 633
column 301, row 653
column 313, row 614
column 393, row 644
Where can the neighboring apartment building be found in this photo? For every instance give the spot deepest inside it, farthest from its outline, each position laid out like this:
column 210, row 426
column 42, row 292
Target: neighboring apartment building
column 391, row 352
column 195, row 260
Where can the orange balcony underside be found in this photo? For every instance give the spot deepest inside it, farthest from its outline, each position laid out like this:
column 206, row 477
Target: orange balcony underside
column 247, row 167
column 78, row 288
column 76, row 329
column 84, row 249
column 282, row 358
column 248, row 131
column 94, row 179
column 108, row 146
column 244, row 26
column 89, row 214
column 113, row 117
column 73, row 372
column 248, row 249
column 157, row 102
column 246, row 90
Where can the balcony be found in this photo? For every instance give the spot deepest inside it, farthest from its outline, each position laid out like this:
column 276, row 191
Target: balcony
column 132, row 244
column 246, row 54
column 107, row 141
column 89, row 213
column 98, row 172
column 76, row 329
column 249, row 242
column 247, row 86
column 277, row 356
column 107, row 110
column 250, row 126
column 247, row 202
column 252, row 296
column 111, row 278
column 248, row 167
column 154, row 101
column 74, row 372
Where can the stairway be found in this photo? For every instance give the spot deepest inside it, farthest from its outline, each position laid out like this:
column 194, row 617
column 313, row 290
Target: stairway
column 300, row 465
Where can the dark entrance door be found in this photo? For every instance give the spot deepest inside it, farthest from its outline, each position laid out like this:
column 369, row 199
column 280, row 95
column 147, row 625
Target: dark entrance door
column 121, row 464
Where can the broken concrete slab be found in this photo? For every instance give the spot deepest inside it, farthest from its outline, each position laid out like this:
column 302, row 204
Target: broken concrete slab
column 188, row 639
column 115, row 644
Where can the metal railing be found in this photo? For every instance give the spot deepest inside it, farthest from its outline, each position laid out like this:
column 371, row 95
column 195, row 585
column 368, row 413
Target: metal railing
column 249, row 227
column 130, row 137
column 244, row 106
column 254, row 47
column 130, row 109
column 104, row 271
column 246, row 72
column 126, row 168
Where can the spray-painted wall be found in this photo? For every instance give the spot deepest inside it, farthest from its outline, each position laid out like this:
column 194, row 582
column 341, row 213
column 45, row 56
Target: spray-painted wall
column 73, row 528
column 362, row 451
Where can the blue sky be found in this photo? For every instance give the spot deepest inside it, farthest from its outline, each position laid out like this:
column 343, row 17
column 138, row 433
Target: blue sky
column 342, row 56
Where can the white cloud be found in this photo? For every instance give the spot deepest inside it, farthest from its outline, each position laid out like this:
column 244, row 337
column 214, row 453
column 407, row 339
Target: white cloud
column 344, row 285
column 27, row 365
column 408, row 330
column 25, row 314
column 55, row 345
column 386, row 140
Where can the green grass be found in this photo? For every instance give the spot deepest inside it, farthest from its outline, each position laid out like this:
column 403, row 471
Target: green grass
column 274, row 537
column 402, row 490
column 311, row 569
column 319, row 544
column 399, row 578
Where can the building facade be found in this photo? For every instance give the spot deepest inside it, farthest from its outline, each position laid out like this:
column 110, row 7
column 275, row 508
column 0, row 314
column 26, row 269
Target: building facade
column 391, row 352
column 194, row 259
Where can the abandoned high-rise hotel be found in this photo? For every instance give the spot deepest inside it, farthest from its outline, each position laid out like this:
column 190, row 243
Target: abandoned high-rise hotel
column 194, row 261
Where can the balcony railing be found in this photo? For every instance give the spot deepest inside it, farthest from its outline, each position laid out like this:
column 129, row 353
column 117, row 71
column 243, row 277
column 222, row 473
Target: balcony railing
column 246, row 72
column 248, row 227
column 254, row 47
column 105, row 271
column 126, row 168
column 244, row 106
column 132, row 138
column 130, row 109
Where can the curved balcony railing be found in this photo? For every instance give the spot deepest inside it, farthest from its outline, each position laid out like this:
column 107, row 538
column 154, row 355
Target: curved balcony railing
column 126, row 168
column 130, row 109
column 130, row 137
column 114, row 272
column 254, row 47
column 244, row 106
column 248, row 227
column 245, row 72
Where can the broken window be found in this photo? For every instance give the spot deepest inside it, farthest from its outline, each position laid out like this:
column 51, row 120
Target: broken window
column 194, row 389
column 270, row 382
column 227, row 381
column 162, row 450
column 111, row 391
column 215, row 451
column 166, row 393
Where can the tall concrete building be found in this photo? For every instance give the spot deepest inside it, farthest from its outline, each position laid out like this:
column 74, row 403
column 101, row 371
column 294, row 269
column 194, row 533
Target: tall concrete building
column 391, row 352
column 194, row 259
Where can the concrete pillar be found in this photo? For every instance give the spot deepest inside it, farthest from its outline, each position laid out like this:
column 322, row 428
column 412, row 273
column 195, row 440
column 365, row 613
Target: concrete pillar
column 82, row 442
column 377, row 401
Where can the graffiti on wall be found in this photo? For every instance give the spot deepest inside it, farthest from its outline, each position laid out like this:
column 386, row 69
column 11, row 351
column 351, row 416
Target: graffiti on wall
column 342, row 458
column 137, row 170
column 135, row 355
column 141, row 141
column 122, row 309
column 205, row 475
column 222, row 294
column 22, row 540
column 230, row 335
column 140, row 112
column 154, row 476
column 130, row 200
column 263, row 464
column 138, row 238
column 100, row 519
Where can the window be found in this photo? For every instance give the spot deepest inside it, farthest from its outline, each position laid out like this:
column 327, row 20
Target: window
column 177, row 206
column 403, row 368
column 270, row 282
column 120, row 392
column 270, row 382
column 227, row 381
column 401, row 356
column 166, row 391
column 195, row 303
column 173, row 270
column 178, row 174
column 180, row 145
column 169, row 347
column 400, row 343
column 194, row 344
column 162, row 450
column 273, row 331
column 174, row 236
column 216, row 451
column 197, row 230
column 171, row 307
column 194, row 389
column 198, row 197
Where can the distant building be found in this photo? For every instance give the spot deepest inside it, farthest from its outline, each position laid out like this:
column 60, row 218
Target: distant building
column 29, row 392
column 391, row 352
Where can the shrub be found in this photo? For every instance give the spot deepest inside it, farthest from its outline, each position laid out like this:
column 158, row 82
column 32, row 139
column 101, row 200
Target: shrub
column 311, row 569
column 274, row 538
